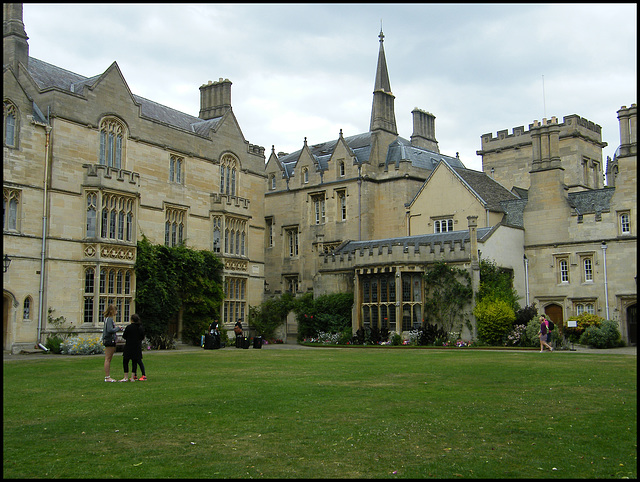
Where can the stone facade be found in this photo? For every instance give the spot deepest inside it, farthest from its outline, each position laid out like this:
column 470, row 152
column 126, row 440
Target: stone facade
column 89, row 167
column 104, row 167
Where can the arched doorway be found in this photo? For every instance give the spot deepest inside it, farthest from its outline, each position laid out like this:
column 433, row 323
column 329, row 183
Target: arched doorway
column 554, row 313
column 632, row 324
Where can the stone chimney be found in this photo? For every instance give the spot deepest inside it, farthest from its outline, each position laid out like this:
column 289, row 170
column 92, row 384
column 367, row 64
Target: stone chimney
column 215, row 99
column 424, row 130
column 14, row 38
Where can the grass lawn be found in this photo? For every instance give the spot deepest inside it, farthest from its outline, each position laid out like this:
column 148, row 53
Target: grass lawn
column 324, row 413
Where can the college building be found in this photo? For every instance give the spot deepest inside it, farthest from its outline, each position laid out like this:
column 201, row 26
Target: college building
column 89, row 167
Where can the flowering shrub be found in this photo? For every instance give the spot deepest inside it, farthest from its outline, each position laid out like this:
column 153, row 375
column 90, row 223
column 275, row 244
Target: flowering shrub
column 413, row 337
column 462, row 344
column 82, row 345
column 517, row 336
column 324, row 338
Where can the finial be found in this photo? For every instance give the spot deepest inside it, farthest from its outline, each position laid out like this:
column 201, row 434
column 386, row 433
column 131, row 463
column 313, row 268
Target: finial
column 340, row 132
column 381, row 36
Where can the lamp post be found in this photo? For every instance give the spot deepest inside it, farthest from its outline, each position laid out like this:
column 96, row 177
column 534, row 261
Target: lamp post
column 6, row 261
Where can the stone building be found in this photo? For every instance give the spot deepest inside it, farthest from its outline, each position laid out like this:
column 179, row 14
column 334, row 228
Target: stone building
column 369, row 212
column 89, row 167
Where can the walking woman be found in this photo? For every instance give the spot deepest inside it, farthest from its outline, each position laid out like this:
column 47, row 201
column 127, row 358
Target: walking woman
column 109, row 340
column 544, row 334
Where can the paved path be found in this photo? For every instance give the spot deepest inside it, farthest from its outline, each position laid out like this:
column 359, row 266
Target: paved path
column 35, row 355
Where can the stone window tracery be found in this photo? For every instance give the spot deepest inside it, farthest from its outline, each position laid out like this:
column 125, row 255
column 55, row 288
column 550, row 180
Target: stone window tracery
column 112, row 136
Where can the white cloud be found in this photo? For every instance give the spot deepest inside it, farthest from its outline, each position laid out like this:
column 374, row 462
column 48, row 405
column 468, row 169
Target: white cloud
column 307, row 70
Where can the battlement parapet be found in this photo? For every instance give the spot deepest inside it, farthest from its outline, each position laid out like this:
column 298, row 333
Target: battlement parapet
column 99, row 175
column 218, row 200
column 396, row 252
column 520, row 136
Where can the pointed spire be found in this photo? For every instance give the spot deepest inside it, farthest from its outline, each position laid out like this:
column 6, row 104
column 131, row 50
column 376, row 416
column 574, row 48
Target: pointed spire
column 383, row 116
column 382, row 75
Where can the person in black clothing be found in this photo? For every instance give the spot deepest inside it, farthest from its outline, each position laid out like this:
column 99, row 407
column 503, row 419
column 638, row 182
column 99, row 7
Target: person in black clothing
column 237, row 329
column 133, row 336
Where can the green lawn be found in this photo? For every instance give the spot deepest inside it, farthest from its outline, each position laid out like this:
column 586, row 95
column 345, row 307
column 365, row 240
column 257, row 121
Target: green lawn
column 324, row 413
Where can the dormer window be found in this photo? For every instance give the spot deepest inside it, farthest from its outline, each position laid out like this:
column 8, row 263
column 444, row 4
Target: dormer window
column 305, row 175
column 341, row 168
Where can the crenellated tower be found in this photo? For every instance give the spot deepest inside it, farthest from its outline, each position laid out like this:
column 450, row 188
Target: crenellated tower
column 547, row 202
column 507, row 157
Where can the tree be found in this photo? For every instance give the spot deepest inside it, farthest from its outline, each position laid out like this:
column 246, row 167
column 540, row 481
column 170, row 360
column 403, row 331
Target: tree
column 447, row 291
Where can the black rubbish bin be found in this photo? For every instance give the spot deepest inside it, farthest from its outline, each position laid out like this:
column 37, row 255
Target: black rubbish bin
column 245, row 343
column 257, row 342
column 209, row 342
column 238, row 341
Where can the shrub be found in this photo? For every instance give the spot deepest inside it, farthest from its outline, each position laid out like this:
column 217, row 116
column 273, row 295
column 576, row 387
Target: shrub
column 530, row 337
column 606, row 335
column 525, row 315
column 517, row 336
column 328, row 313
column 429, row 335
column 193, row 329
column 584, row 321
column 345, row 336
column 494, row 320
column 373, row 335
column 396, row 339
column 272, row 313
column 162, row 342
column 53, row 343
column 82, row 345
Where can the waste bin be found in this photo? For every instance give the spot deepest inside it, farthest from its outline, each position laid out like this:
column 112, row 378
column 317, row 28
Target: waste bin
column 245, row 343
column 239, row 341
column 257, row 342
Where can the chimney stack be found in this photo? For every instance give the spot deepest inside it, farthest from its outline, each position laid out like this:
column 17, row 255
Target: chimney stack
column 424, row 130
column 215, row 99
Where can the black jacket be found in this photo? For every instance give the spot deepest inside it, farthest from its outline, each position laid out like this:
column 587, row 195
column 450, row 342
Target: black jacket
column 133, row 336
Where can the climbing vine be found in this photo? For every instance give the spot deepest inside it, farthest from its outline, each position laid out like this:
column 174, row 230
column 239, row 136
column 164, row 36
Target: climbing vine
column 169, row 279
column 447, row 292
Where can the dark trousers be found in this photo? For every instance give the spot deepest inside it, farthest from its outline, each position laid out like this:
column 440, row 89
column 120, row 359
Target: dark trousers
column 134, row 363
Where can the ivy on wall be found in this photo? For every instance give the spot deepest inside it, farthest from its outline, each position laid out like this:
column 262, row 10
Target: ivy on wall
column 447, row 292
column 169, row 279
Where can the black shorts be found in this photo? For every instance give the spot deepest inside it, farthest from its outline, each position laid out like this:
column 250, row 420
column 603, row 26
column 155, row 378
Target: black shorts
column 109, row 344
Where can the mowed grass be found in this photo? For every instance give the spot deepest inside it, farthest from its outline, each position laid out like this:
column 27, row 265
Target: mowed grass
column 324, row 413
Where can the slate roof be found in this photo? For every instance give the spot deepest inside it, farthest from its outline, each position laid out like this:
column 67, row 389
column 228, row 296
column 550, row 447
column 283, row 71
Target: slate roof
column 593, row 201
column 514, row 212
column 360, row 144
column 420, row 239
column 47, row 76
column 491, row 192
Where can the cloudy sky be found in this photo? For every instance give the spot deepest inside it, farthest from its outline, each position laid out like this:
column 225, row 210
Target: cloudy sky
column 307, row 70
